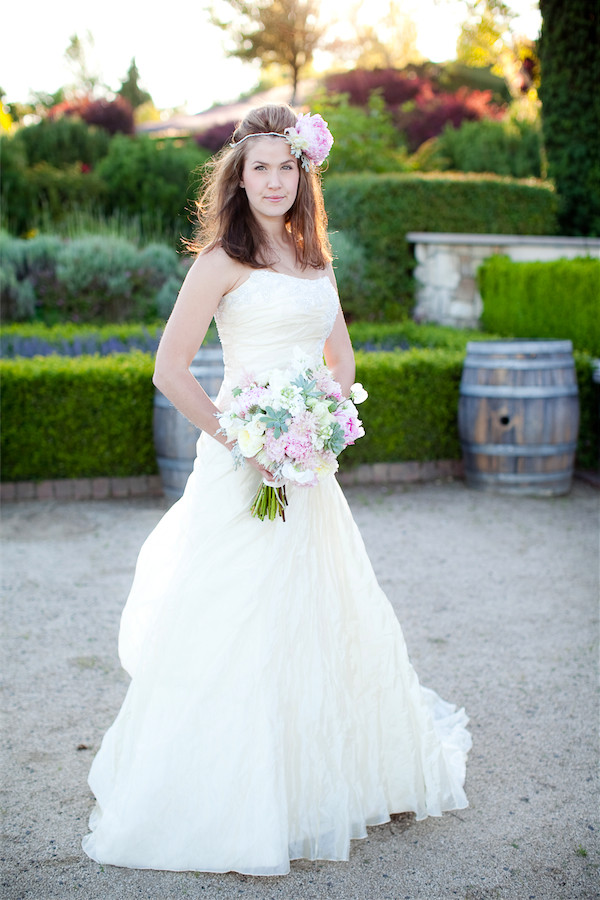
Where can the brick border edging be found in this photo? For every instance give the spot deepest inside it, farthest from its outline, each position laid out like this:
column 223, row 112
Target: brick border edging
column 81, row 488
column 402, row 472
column 151, row 486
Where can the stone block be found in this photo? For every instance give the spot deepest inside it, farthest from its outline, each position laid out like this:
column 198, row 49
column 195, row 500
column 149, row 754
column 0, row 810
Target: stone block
column 421, row 253
column 44, row 490
column 100, row 488
column 410, row 472
column 380, row 473
column 138, row 486
column 8, row 492
column 443, row 271
column 364, row 474
column 82, row 489
column 25, row 490
column 155, row 488
column 466, row 290
column 64, row 489
column 396, row 473
column 119, row 487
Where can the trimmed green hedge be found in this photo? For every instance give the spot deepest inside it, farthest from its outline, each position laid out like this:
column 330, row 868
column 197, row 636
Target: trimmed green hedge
column 411, row 413
column 376, row 211
column 67, row 339
column 559, row 299
column 407, row 334
column 75, row 418
column 92, row 416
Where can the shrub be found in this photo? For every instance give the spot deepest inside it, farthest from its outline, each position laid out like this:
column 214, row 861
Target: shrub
column 90, row 279
column 59, row 192
column 216, row 137
column 570, row 62
column 63, row 142
column 365, row 139
column 412, row 406
column 30, row 193
column 507, row 147
column 376, row 212
column 417, row 99
column 96, row 413
column 157, row 180
column 65, row 418
column 350, row 265
column 399, row 86
column 17, row 197
column 431, row 113
column 588, row 445
column 23, row 266
column 114, row 116
column 394, row 85
column 543, row 299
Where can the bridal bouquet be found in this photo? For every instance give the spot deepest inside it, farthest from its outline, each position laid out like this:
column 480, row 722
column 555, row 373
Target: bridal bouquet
column 296, row 423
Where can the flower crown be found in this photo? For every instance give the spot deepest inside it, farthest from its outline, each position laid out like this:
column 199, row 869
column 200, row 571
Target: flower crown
column 310, row 140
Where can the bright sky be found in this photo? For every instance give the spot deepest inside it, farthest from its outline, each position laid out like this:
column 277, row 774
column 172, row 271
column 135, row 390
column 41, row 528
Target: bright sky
column 178, row 53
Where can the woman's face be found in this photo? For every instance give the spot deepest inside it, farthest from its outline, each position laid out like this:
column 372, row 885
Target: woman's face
column 270, row 176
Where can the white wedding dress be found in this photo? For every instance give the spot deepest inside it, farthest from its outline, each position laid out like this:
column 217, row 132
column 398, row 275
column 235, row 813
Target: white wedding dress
column 273, row 712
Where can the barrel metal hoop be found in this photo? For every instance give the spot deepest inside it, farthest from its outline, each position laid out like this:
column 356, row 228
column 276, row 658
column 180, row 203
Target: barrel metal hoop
column 516, row 450
column 520, row 347
column 518, row 392
column 519, row 478
column 521, row 364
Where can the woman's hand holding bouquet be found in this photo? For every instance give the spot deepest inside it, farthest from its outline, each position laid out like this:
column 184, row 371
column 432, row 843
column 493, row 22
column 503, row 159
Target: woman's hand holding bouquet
column 294, row 423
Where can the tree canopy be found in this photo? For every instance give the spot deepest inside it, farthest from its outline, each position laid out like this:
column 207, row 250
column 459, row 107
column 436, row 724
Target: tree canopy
column 281, row 32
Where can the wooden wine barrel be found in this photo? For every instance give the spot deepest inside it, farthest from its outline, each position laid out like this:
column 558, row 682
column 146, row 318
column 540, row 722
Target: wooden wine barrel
column 518, row 416
column 174, row 437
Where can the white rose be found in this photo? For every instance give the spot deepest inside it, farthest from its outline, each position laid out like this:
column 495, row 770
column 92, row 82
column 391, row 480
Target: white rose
column 358, row 393
column 255, row 427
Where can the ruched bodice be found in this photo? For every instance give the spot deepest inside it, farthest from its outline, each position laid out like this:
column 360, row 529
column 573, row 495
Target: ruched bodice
column 261, row 322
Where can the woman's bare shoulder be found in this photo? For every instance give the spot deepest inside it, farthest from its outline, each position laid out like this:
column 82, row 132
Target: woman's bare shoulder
column 330, row 273
column 216, row 267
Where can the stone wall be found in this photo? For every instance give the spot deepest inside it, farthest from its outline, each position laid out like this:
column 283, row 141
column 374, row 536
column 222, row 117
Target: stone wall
column 447, row 265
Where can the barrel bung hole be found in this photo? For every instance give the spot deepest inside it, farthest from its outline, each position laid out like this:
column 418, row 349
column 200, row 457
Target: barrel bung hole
column 505, row 420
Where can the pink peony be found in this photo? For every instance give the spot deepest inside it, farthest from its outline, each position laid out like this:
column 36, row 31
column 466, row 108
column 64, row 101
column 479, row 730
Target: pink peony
column 310, row 139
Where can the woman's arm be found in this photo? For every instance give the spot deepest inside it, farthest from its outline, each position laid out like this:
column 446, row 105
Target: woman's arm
column 339, row 354
column 211, row 276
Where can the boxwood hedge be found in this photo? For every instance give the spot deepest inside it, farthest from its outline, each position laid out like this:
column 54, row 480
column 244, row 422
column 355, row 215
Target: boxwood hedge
column 92, row 416
column 374, row 212
column 75, row 418
column 558, row 299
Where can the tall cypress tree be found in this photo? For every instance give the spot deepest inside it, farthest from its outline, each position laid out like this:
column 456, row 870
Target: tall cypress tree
column 570, row 63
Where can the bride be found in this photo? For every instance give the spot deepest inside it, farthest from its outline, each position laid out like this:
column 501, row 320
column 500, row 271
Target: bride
column 273, row 713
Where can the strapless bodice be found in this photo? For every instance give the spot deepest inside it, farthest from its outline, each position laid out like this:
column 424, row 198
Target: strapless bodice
column 263, row 321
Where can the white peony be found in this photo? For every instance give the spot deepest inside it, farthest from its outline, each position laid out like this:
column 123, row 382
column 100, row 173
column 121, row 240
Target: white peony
column 248, row 441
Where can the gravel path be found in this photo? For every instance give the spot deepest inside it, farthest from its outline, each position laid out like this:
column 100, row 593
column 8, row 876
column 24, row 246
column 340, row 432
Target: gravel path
column 498, row 598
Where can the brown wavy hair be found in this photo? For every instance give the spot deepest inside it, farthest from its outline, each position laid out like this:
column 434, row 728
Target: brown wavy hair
column 225, row 218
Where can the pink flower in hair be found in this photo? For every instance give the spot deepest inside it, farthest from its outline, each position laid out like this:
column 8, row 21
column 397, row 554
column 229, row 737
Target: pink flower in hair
column 310, row 139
